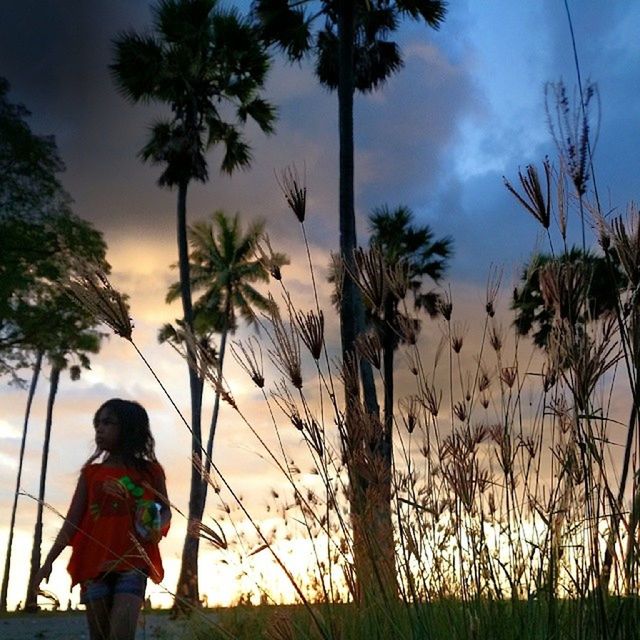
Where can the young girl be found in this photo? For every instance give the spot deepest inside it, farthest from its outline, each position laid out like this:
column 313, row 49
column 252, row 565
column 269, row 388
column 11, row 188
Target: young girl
column 117, row 516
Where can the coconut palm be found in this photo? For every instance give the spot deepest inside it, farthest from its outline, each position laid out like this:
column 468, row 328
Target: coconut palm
column 201, row 61
column 224, row 268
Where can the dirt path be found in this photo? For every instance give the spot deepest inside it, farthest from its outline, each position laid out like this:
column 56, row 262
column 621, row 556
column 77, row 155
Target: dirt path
column 72, row 625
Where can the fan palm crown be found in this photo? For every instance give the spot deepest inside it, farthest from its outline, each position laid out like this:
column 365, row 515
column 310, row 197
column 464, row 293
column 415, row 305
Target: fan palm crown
column 206, row 64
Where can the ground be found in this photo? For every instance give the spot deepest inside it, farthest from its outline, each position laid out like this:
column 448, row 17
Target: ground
column 72, row 625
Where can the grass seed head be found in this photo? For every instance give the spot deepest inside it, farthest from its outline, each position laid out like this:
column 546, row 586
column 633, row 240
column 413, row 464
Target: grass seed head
column 294, row 190
column 311, row 328
column 89, row 286
column 369, row 346
column 286, row 351
column 249, row 356
column 535, row 197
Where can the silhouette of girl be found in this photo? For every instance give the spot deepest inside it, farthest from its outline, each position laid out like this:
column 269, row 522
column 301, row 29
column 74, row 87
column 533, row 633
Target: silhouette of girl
column 118, row 514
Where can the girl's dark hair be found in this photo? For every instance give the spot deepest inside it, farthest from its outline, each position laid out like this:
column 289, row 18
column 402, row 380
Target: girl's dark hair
column 136, row 444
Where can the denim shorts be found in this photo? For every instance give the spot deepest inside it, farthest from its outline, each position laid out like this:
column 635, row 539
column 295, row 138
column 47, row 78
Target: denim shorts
column 106, row 585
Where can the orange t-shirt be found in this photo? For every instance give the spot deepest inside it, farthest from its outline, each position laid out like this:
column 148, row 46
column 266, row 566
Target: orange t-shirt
column 105, row 540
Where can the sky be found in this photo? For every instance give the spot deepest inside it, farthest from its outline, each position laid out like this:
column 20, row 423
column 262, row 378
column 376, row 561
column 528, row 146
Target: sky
column 467, row 109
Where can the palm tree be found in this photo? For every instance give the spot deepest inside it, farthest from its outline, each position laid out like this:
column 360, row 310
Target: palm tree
column 223, row 266
column 352, row 53
column 420, row 255
column 199, row 60
column 415, row 251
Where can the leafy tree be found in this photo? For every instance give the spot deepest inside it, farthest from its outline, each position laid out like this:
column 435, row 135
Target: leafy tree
column 203, row 62
column 37, row 229
column 29, row 164
column 601, row 280
column 352, row 53
column 39, row 319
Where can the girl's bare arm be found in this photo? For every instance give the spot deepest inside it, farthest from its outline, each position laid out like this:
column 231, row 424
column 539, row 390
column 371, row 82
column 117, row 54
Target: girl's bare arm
column 70, row 526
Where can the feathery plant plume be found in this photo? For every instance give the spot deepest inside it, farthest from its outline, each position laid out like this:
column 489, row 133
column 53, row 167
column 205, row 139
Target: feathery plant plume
column 311, row 328
column 460, row 411
column 314, row 435
column 197, row 529
column 431, row 399
column 494, row 281
column 410, row 415
column 484, row 380
column 564, row 288
column 445, row 306
column 571, row 129
column 294, row 190
column 587, row 358
column 288, row 406
column 536, row 199
column 248, row 354
column 286, row 351
column 89, row 286
column 509, row 375
column 496, row 337
column 204, row 361
column 271, row 260
column 623, row 234
column 370, row 274
column 457, row 336
column 369, row 346
column 398, row 278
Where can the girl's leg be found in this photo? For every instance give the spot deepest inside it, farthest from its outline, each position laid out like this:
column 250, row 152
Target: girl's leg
column 124, row 616
column 98, row 616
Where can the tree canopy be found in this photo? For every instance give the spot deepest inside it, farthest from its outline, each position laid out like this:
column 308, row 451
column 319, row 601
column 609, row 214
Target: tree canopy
column 40, row 240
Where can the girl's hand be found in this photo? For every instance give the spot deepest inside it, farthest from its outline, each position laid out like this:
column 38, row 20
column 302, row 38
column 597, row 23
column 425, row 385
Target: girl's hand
column 43, row 573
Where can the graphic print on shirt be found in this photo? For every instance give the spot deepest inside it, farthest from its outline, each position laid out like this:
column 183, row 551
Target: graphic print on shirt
column 116, row 497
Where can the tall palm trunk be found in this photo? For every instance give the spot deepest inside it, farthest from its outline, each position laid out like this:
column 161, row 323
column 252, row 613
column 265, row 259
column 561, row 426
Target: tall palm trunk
column 37, row 366
column 31, row 598
column 212, row 428
column 368, row 546
column 187, row 589
column 216, row 402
